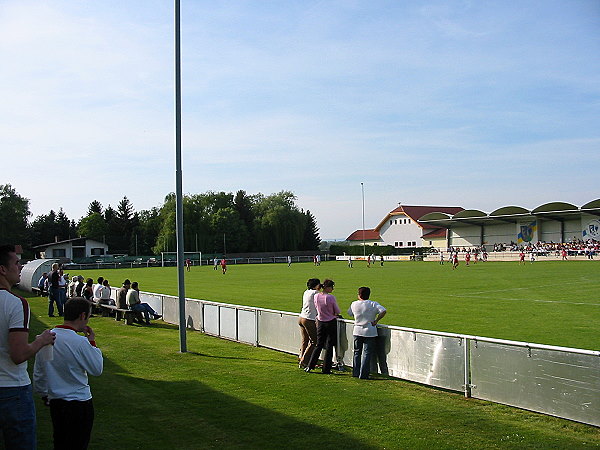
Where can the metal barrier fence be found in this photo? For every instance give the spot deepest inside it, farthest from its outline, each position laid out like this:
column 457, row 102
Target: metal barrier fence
column 558, row 381
column 203, row 262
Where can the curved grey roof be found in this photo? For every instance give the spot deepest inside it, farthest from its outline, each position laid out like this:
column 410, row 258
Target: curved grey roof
column 594, row 204
column 509, row 211
column 32, row 271
column 469, row 213
column 552, row 210
column 555, row 207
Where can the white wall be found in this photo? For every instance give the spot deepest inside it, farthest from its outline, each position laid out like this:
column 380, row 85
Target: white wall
column 500, row 234
column 402, row 229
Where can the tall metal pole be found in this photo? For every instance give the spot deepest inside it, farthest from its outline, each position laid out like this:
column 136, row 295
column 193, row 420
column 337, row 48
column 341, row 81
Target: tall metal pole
column 179, row 184
column 362, row 187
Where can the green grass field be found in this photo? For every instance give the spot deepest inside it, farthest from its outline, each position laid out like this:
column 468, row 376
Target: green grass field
column 226, row 395
column 554, row 302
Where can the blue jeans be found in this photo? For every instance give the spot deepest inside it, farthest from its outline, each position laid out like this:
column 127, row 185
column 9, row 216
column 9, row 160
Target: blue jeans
column 17, row 417
column 144, row 308
column 361, row 366
column 54, row 295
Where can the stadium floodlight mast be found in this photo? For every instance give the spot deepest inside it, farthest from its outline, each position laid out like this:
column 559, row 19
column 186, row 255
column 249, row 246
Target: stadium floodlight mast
column 362, row 188
column 179, row 183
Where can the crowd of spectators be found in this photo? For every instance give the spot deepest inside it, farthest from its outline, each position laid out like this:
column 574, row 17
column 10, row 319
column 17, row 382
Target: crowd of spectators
column 98, row 293
column 587, row 248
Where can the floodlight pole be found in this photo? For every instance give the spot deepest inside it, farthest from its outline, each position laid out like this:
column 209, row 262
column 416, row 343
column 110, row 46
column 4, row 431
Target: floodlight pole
column 179, row 184
column 362, row 187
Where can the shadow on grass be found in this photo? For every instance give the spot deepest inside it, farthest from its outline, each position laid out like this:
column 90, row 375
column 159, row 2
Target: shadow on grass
column 191, row 415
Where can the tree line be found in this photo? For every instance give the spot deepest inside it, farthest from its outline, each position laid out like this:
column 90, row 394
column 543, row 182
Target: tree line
column 214, row 222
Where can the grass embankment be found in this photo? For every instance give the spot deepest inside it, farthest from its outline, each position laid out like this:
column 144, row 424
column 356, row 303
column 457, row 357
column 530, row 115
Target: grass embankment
column 554, row 302
column 227, row 395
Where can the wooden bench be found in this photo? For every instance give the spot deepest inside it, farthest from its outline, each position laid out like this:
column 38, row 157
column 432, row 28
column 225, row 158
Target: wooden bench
column 39, row 292
column 121, row 314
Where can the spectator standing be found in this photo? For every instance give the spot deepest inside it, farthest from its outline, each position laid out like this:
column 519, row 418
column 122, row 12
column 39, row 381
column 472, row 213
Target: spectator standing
column 53, row 291
column 63, row 280
column 63, row 380
column 17, row 410
column 327, row 313
column 42, row 284
column 307, row 322
column 367, row 314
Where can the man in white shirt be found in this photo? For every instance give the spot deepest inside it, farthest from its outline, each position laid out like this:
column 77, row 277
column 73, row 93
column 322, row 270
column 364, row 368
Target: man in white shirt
column 98, row 289
column 63, row 378
column 367, row 314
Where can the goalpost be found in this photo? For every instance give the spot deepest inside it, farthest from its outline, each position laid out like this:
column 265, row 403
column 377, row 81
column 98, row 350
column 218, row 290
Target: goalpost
column 162, row 257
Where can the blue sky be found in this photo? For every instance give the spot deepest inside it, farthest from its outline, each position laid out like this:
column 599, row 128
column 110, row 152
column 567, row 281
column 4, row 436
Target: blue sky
column 461, row 103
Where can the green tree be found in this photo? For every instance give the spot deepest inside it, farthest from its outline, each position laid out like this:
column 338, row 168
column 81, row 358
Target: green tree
column 310, row 237
column 93, row 227
column 14, row 212
column 229, row 231
column 121, row 227
column 244, row 205
column 278, row 224
column 148, row 230
column 94, row 207
column 44, row 229
column 66, row 228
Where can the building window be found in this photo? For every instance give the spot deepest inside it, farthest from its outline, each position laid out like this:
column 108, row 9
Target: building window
column 400, row 244
column 396, row 221
column 59, row 253
column 97, row 251
column 408, row 220
column 414, row 244
column 391, row 222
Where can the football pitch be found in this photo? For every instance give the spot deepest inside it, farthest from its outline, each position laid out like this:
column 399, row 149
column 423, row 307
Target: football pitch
column 553, row 302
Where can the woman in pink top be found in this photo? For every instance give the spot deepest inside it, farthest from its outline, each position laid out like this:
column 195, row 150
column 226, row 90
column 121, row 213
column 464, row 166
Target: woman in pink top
column 327, row 313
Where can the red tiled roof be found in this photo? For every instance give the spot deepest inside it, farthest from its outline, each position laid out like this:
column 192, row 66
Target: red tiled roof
column 369, row 235
column 437, row 233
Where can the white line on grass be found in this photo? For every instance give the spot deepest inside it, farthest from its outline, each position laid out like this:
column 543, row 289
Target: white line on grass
column 524, row 300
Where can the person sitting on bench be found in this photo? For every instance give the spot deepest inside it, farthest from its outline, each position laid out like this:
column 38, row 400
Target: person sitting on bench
column 122, row 294
column 133, row 300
